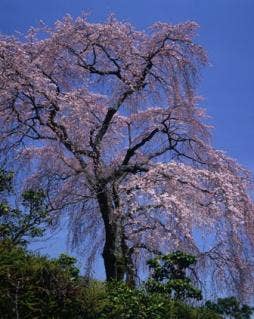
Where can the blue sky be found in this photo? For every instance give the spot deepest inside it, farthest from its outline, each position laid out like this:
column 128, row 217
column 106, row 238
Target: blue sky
column 226, row 31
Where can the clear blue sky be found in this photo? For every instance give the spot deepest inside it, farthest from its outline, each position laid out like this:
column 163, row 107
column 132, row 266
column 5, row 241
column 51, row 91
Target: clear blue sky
column 226, row 31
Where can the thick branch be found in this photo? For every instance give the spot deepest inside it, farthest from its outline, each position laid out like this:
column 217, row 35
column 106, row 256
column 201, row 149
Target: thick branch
column 131, row 151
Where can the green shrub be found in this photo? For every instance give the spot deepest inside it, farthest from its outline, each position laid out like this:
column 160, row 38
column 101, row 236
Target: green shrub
column 123, row 302
column 169, row 276
column 33, row 286
column 230, row 307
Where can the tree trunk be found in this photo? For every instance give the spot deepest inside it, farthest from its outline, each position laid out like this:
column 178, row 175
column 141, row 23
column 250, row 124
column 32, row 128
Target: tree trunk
column 131, row 271
column 113, row 253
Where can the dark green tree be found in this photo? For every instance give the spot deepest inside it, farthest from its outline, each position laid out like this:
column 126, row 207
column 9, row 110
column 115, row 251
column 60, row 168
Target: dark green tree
column 34, row 286
column 5, row 180
column 124, row 302
column 19, row 225
column 67, row 264
column 169, row 276
column 231, row 308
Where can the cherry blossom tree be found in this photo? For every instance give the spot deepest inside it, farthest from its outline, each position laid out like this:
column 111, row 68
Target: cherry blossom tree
column 107, row 121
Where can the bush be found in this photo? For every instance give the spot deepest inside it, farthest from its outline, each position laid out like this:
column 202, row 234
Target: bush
column 230, row 307
column 169, row 276
column 33, row 286
column 123, row 302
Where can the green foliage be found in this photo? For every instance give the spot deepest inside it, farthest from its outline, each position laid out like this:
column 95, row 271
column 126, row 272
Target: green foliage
column 5, row 180
column 93, row 298
column 231, row 308
column 169, row 276
column 67, row 264
column 123, row 302
column 33, row 286
column 18, row 226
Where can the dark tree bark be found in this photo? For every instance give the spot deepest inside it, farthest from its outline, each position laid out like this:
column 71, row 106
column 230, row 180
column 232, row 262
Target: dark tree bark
column 113, row 252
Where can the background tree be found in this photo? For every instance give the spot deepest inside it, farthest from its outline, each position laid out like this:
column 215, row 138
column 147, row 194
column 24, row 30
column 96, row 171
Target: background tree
column 108, row 119
column 34, row 286
column 169, row 276
column 5, row 180
column 230, row 307
column 19, row 225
